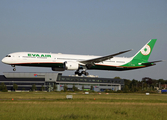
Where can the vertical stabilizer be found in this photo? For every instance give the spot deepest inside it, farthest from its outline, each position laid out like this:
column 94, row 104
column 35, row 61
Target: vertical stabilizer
column 145, row 52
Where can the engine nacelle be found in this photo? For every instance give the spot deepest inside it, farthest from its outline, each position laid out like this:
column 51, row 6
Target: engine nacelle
column 71, row 65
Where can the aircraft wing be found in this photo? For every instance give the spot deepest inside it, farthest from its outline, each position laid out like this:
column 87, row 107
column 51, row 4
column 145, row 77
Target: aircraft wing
column 151, row 63
column 101, row 59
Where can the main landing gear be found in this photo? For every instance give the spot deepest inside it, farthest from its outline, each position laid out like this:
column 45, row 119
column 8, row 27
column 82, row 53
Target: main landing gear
column 14, row 69
column 82, row 72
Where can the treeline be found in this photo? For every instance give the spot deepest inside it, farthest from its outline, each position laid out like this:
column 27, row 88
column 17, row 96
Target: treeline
column 146, row 84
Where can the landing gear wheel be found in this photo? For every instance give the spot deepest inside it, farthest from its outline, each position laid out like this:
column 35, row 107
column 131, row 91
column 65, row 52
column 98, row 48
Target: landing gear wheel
column 76, row 73
column 79, row 74
column 14, row 69
column 83, row 72
column 86, row 73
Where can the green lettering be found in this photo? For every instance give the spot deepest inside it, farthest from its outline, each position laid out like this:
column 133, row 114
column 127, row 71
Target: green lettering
column 42, row 55
column 48, row 55
column 33, row 55
column 37, row 55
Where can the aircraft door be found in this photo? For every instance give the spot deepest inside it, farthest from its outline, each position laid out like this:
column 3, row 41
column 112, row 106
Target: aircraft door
column 54, row 60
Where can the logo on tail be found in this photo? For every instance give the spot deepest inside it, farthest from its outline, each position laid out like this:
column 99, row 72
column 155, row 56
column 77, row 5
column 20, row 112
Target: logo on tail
column 146, row 50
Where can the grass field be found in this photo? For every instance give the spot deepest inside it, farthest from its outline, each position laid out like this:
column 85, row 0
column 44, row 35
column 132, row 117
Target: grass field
column 54, row 106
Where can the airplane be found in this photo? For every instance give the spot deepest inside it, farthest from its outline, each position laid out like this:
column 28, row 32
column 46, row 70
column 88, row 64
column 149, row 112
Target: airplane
column 62, row 62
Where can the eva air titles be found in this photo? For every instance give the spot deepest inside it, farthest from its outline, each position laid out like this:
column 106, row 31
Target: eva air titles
column 39, row 55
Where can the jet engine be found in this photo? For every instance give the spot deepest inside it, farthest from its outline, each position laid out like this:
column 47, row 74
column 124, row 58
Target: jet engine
column 71, row 65
column 68, row 65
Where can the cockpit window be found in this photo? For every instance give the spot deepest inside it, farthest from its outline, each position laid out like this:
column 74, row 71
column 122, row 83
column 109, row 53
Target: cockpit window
column 8, row 55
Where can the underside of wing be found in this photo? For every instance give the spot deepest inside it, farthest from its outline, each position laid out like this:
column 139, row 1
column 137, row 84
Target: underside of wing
column 91, row 62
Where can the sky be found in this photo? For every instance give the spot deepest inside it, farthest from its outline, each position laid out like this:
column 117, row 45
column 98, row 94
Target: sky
column 86, row 27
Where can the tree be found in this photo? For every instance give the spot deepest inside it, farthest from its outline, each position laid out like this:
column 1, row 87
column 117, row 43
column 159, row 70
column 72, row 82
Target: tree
column 82, row 87
column 126, row 89
column 106, row 91
column 55, row 87
column 3, row 87
column 42, row 88
column 15, row 87
column 127, row 82
column 91, row 88
column 132, row 88
column 65, row 88
column 161, row 81
column 117, row 77
column 134, row 85
column 74, row 88
column 33, row 87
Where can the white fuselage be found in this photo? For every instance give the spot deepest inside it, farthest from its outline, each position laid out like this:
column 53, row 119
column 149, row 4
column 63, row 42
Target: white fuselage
column 33, row 57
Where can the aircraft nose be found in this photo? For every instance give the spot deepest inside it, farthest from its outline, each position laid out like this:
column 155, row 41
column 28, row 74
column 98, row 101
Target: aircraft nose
column 3, row 60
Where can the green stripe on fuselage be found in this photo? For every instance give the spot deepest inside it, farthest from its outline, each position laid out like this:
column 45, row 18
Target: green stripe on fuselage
column 115, row 68
column 60, row 65
column 134, row 63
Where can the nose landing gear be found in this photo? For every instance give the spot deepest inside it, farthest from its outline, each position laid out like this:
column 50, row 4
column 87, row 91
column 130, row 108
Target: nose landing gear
column 14, row 69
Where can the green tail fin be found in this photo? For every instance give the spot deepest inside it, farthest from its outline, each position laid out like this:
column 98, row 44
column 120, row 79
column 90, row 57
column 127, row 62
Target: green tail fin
column 145, row 52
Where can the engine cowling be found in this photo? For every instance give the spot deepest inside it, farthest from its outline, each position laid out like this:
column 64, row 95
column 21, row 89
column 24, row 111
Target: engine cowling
column 71, row 65
column 68, row 65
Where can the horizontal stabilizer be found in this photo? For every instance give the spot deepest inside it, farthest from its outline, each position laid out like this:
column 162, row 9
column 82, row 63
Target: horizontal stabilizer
column 151, row 63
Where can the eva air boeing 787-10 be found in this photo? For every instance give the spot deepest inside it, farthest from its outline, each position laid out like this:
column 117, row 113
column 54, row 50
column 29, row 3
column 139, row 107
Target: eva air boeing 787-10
column 61, row 62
